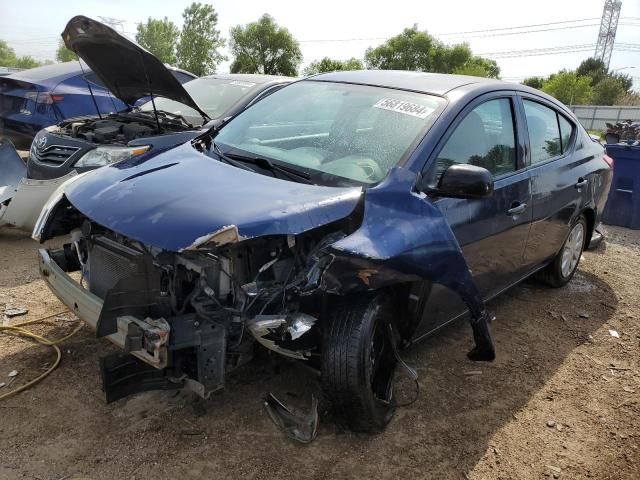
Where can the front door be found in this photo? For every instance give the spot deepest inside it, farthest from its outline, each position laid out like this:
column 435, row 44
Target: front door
column 491, row 231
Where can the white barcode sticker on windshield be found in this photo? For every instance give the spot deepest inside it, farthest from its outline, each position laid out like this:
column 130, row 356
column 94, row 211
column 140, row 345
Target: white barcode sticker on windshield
column 401, row 106
column 242, row 84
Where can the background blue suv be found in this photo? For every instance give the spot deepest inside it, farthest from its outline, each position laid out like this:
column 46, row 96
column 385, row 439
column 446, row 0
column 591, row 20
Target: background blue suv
column 34, row 99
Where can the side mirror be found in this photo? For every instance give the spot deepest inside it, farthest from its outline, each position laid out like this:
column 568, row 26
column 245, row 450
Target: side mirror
column 465, row 181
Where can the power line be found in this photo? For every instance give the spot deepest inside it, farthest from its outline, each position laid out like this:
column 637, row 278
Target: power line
column 520, row 26
column 625, row 47
column 538, row 51
column 491, row 32
column 501, row 34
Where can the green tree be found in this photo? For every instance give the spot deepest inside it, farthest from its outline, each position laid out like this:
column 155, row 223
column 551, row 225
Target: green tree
column 26, row 62
column 626, row 81
column 534, row 82
column 160, row 38
column 417, row 50
column 610, row 82
column 8, row 58
column 411, row 50
column 200, row 41
column 331, row 65
column 479, row 67
column 569, row 88
column 594, row 68
column 607, row 91
column 63, row 54
column 7, row 55
column 264, row 47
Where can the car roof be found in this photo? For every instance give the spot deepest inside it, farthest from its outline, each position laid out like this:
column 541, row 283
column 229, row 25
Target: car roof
column 424, row 82
column 176, row 69
column 56, row 72
column 253, row 78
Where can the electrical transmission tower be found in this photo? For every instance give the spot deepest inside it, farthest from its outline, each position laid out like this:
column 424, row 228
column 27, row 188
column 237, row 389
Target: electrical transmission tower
column 608, row 27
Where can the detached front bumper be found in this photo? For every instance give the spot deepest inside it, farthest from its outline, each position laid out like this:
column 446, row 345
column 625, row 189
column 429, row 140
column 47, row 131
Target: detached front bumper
column 88, row 306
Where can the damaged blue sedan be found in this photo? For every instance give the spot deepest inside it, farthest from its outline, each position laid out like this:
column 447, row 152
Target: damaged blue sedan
column 335, row 222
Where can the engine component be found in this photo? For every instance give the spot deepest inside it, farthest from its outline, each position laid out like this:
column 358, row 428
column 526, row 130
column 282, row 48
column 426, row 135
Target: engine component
column 135, row 130
column 118, row 128
column 107, row 133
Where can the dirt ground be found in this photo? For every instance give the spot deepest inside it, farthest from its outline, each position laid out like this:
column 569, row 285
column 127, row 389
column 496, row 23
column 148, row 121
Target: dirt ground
column 562, row 400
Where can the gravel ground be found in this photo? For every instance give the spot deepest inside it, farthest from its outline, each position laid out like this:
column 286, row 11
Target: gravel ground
column 562, row 400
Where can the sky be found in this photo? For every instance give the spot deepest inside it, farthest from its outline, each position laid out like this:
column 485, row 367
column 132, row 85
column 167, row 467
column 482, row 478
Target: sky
column 343, row 29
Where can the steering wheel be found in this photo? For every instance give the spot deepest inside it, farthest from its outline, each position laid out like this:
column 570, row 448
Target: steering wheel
column 371, row 168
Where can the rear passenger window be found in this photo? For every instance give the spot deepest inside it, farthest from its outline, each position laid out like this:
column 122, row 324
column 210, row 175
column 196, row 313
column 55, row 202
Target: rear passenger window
column 544, row 133
column 566, row 129
column 486, row 138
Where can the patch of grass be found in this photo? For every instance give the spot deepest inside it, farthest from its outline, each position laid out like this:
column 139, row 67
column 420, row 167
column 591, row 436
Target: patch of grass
column 599, row 133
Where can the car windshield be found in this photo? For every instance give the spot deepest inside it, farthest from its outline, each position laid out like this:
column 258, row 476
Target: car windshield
column 352, row 133
column 214, row 95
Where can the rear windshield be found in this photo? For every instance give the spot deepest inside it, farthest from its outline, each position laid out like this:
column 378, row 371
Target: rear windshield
column 214, row 95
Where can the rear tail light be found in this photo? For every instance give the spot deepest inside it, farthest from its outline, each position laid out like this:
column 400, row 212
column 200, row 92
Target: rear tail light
column 43, row 98
column 609, row 160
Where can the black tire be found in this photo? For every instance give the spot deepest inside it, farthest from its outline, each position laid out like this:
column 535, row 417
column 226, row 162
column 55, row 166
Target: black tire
column 358, row 363
column 554, row 274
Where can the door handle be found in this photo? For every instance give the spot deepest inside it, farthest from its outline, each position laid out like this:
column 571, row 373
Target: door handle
column 581, row 182
column 517, row 208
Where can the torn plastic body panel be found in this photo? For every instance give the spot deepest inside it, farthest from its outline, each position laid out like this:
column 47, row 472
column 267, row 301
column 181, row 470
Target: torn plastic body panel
column 31, row 195
column 21, row 198
column 12, row 170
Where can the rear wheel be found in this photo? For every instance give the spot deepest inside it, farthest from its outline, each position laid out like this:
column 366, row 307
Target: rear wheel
column 358, row 364
column 565, row 264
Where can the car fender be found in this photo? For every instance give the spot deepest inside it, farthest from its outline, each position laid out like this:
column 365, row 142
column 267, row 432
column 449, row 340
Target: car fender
column 31, row 195
column 12, row 170
column 403, row 237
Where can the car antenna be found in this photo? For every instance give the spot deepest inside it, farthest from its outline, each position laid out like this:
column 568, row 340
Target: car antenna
column 153, row 103
column 84, row 75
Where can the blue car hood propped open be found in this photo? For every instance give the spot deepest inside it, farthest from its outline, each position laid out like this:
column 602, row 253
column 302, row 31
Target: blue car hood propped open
column 171, row 199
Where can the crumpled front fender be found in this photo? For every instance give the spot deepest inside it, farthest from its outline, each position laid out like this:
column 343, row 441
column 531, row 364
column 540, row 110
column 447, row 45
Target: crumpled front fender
column 403, row 237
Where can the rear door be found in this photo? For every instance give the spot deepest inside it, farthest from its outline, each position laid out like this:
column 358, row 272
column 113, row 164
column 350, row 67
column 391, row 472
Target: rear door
column 491, row 231
column 559, row 177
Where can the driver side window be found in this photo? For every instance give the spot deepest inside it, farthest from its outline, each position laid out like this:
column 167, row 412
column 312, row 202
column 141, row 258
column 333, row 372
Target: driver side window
column 485, row 137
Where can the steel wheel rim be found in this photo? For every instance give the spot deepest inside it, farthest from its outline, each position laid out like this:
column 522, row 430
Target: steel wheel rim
column 572, row 250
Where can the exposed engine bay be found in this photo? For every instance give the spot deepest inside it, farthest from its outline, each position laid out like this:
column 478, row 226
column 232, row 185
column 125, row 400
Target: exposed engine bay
column 121, row 128
column 196, row 315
